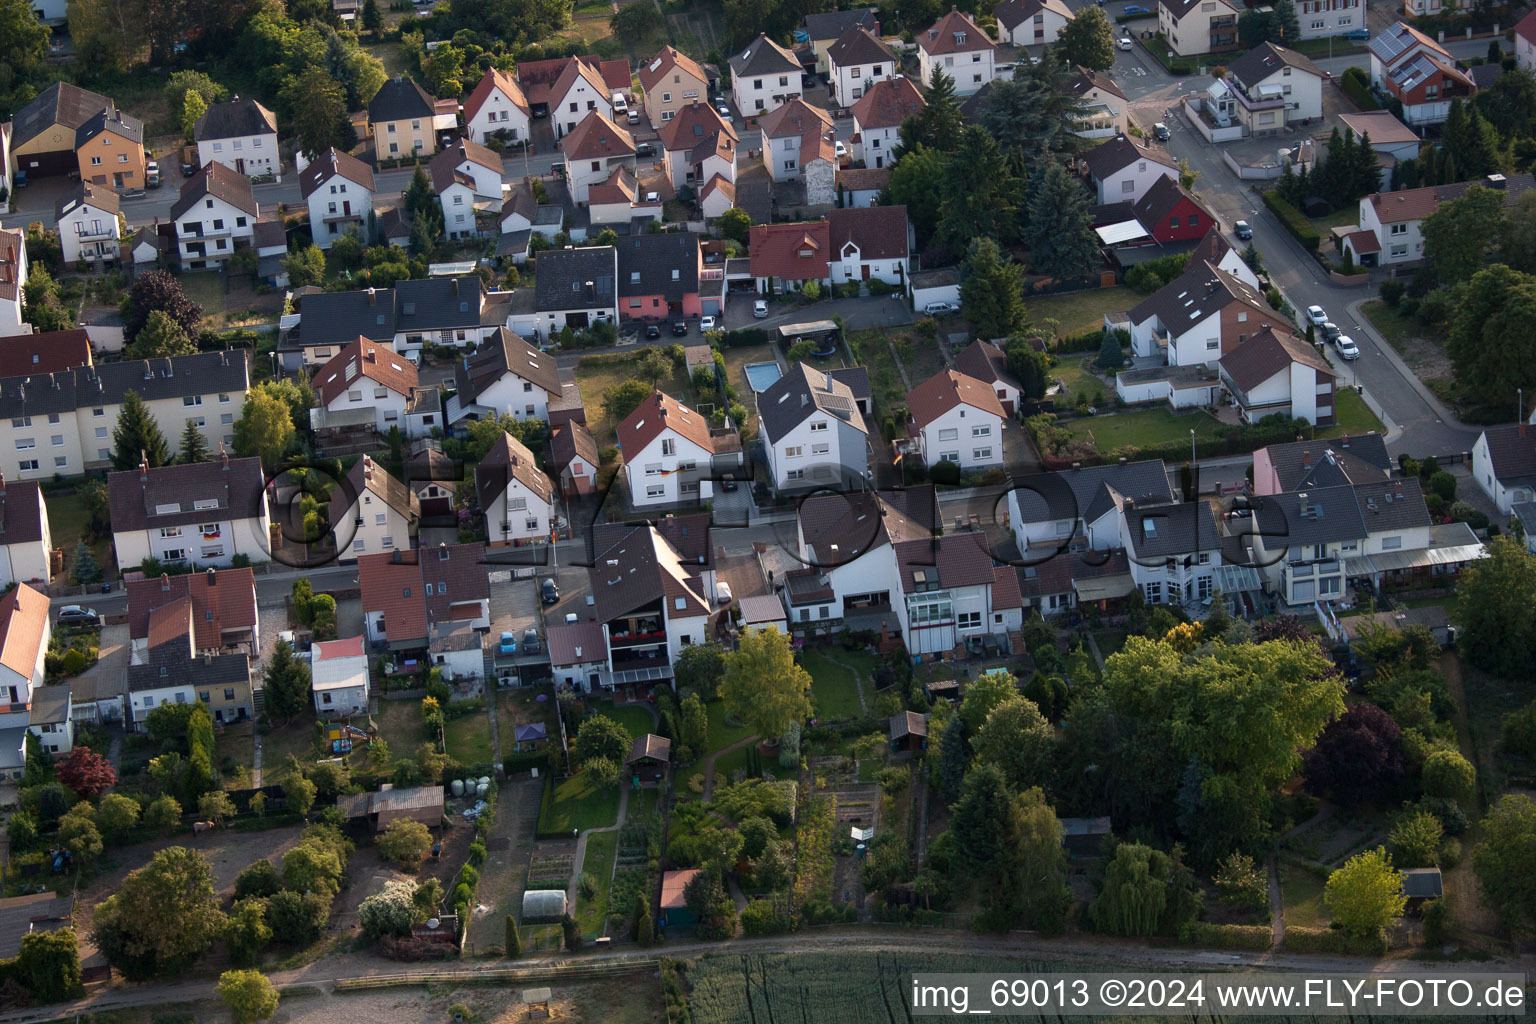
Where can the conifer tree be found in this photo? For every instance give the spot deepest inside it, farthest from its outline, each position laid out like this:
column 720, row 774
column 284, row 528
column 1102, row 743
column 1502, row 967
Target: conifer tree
column 137, row 435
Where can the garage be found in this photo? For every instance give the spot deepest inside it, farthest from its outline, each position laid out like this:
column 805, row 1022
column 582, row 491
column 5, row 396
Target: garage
column 711, row 307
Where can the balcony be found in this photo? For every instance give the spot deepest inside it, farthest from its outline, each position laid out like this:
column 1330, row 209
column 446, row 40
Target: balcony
column 94, row 234
column 712, row 274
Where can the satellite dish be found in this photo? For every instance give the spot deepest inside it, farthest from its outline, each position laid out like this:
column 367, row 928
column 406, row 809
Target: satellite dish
column 433, row 922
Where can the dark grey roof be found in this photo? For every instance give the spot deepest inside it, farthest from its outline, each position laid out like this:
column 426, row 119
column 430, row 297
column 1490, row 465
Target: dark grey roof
column 86, row 194
column 1422, row 883
column 627, row 575
column 1321, row 515
column 839, row 528
column 171, row 664
column 437, row 303
column 50, row 704
column 803, row 391
column 1512, row 450
column 60, row 103
column 338, row 318
column 499, row 355
column 1525, row 511
column 1264, row 60
column 21, row 916
column 561, row 277
column 237, row 486
column 399, row 99
column 834, row 23
column 21, row 514
column 858, row 45
column 106, row 383
column 665, row 264
column 1392, row 505
column 1088, row 492
column 763, row 56
column 110, row 120
column 1340, row 460
column 1169, row 529
column 221, row 182
column 856, row 378
column 1201, row 290
column 235, row 119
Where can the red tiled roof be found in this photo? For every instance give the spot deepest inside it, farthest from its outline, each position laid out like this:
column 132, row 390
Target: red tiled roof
column 1418, row 203
column 49, row 352
column 615, row 75
column 662, row 412
column 352, row 647
column 397, row 582
column 573, row 70
column 719, row 182
column 880, row 232
column 794, row 252
column 947, row 389
column 493, row 79
column 945, row 34
column 986, row 362
column 597, row 137
column 1266, row 354
column 576, row 643
column 1525, row 28
column 223, row 600
column 13, row 246
column 796, row 117
column 23, row 621
column 864, row 179
column 664, row 62
column 170, row 622
column 1363, row 242
column 888, row 103
column 367, row 359
column 618, row 188
column 693, row 124
column 333, row 162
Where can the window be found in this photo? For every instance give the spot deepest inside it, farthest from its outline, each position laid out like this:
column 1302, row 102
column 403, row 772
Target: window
column 981, row 431
column 1329, row 586
column 795, row 474
column 950, row 457
column 818, row 425
column 359, row 544
column 24, row 444
column 60, row 461
column 969, row 620
column 666, row 97
column 949, row 434
column 1153, row 592
column 793, row 451
column 388, row 542
column 655, row 490
column 101, row 431
column 27, row 464
column 57, row 440
column 98, row 412
column 1399, row 229
column 981, row 454
column 820, row 449
column 1391, row 543
column 1302, row 590
column 1212, row 344
column 380, row 519
column 668, row 446
column 1173, row 222
column 192, row 400
column 53, row 417
column 22, row 421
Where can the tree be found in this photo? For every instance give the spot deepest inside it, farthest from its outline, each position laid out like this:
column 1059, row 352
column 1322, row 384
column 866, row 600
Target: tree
column 1290, row 24
column 693, row 724
column 1416, row 839
column 161, row 337
column 571, row 933
column 23, row 54
column 288, row 683
column 314, row 865
column 1502, row 862
column 391, row 910
column 298, row 793
column 992, row 291
column 106, row 32
column 700, row 668
column 49, row 961
column 88, row 774
column 1088, row 39
column 442, row 68
column 373, row 19
column 407, row 843
column 265, row 426
column 193, row 107
column 215, row 806
column 1447, row 774
column 1135, row 891
column 953, row 759
column 1241, row 882
column 1257, row 27
column 937, row 124
column 78, row 834
column 979, row 824
column 183, row 82
column 980, row 192
column 84, row 569
column 246, row 932
column 619, row 400
column 163, row 814
column 297, row 917
column 1059, row 231
column 735, row 223
column 137, row 436
column 248, row 994
column 1461, row 232
column 987, row 692
column 1018, row 739
column 1498, row 604
column 1366, row 894
column 164, row 916
column 117, row 814
column 318, row 111
column 919, row 182
column 158, row 290
column 1037, row 881
column 1358, row 757
column 763, row 686
column 603, row 771
column 259, row 879
column 305, row 266
column 601, row 736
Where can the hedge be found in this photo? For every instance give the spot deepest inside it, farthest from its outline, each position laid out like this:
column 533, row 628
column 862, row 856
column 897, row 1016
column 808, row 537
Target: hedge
column 1294, row 222
column 1336, row 941
column 1227, row 936
column 743, row 337
column 1358, row 88
column 528, row 759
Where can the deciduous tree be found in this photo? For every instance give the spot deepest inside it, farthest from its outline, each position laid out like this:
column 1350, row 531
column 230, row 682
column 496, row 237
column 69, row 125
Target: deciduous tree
column 248, row 994
column 88, row 773
column 1497, row 598
column 164, row 916
column 1089, row 40
column 161, row 337
column 318, row 108
column 1357, row 758
column 246, row 932
column 1459, row 234
column 406, row 843
column 1366, row 894
column 601, row 736
column 390, row 911
column 158, row 290
column 265, row 426
column 763, row 686
column 1018, row 739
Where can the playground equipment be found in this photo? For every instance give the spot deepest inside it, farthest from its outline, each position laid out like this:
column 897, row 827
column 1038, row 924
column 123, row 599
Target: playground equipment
column 342, row 735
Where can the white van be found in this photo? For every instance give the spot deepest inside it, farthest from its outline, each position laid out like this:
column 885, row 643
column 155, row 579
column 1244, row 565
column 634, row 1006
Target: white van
column 620, row 103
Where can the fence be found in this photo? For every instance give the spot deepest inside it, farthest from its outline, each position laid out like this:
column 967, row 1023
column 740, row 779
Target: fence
column 566, row 971
column 1193, row 105
column 1263, row 172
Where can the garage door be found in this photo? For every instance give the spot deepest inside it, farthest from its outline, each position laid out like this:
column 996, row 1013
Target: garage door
column 711, row 307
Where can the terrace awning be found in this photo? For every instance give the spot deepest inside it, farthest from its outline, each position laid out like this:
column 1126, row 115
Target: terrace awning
column 1104, row 588
column 1235, row 579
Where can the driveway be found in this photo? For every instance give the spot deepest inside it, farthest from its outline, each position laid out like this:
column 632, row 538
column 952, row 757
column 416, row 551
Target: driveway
column 514, row 608
column 857, row 313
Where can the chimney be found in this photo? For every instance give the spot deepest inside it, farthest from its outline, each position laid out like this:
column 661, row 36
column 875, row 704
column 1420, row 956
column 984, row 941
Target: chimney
column 1343, row 440
column 165, row 582
column 372, row 297
column 2, row 485
column 143, row 469
column 213, row 578
column 367, row 468
column 223, row 456
column 1306, row 460
column 395, row 557
column 455, row 286
column 1497, row 181
column 1398, row 488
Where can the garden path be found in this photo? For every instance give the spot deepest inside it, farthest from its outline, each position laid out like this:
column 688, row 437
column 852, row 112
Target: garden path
column 709, row 768
column 581, row 848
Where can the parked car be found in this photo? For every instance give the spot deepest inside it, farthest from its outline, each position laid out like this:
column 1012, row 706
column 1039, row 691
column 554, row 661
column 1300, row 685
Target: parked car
column 1243, row 230
column 760, row 308
column 620, row 103
column 652, row 331
column 1161, row 131
column 706, row 323
column 724, row 112
column 1124, row 43
column 633, row 117
column 152, row 174
column 1358, row 35
column 508, row 644
column 679, row 328
column 839, row 150
column 1317, row 315
column 1331, row 330
column 645, row 149
column 653, row 197
column 1135, row 9
column 729, row 484
column 723, row 593
column 531, row 643
column 549, row 590
column 1347, row 347
column 133, row 193
column 940, row 308
column 78, row 615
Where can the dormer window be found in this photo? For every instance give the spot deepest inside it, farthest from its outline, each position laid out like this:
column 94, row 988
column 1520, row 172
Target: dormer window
column 959, row 38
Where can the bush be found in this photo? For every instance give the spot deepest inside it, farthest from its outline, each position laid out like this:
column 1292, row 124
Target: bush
column 1294, row 222
column 1518, row 735
column 1336, row 941
column 1391, row 292
column 943, row 472
column 1357, row 86
column 762, row 917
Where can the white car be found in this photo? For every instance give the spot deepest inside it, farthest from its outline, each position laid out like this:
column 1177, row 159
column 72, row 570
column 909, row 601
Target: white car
column 1347, row 347
column 706, row 323
column 620, row 103
column 724, row 111
column 760, row 308
column 1125, row 43
column 722, row 592
column 939, row 308
column 1318, row 315
column 839, row 150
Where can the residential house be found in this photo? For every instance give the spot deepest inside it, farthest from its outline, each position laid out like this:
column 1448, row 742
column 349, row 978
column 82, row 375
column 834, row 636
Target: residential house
column 1031, row 22
column 591, row 148
column 578, row 656
column 505, row 376
column 515, row 495
column 172, row 672
column 877, row 117
column 241, row 135
column 225, row 617
column 13, row 277
column 578, row 93
column 1054, row 514
column 1393, row 141
column 984, row 361
column 868, row 243
column 552, row 85
column 1123, row 170
column 671, row 81
column 216, row 214
column 330, row 321
column 202, row 513
column 828, row 27
column 698, row 145
column 1322, row 18
column 1267, row 90
column 524, row 216
column 109, row 148
column 857, row 61
column 26, row 541
column 44, row 352
column 799, row 145
column 442, row 311
column 1432, row 8
column 574, row 288
column 1419, row 73
column 785, row 256
column 964, row 52
column 406, row 593
column 60, row 423
column 367, row 383
column 1103, row 109
column 1304, row 465
column 1525, row 42
column 372, row 512
column 467, row 179
column 1194, row 27
column 26, row 628
column 1169, row 214
column 860, row 187
column 42, row 142
column 956, row 419
column 659, row 277
column 1275, row 371
column 717, row 196
column 400, row 119
column 1392, row 223
column 618, row 200
column 51, row 719
column 813, row 433
column 845, row 543
column 1173, row 549
column 339, row 677
column 669, row 453
column 338, row 189
column 650, row 597
column 575, row 459
column 1504, row 465
column 1200, row 316
column 89, row 228
column 763, row 76
column 496, row 108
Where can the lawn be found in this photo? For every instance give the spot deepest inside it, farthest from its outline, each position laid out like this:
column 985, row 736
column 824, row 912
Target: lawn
column 234, row 744
column 1419, row 346
column 1348, row 215
column 635, row 719
column 592, row 914
column 206, row 288
column 1302, row 893
column 68, row 522
column 921, row 358
column 468, row 737
column 400, row 725
column 1075, row 376
column 1110, row 641
column 297, row 737
column 1144, row 427
column 1353, row 415
column 594, row 380
column 1076, row 312
column 834, row 688
column 735, row 359
column 870, row 348
column 727, row 764
column 721, row 733
column 576, row 803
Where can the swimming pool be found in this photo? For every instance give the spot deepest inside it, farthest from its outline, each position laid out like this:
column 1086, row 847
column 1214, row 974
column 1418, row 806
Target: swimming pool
column 761, row 376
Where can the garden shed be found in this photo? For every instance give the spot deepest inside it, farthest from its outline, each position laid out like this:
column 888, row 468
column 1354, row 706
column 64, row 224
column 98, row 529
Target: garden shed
column 1420, row 884
column 648, row 757
column 674, row 909
column 541, row 905
column 908, row 731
